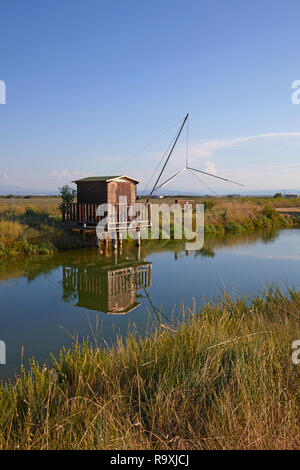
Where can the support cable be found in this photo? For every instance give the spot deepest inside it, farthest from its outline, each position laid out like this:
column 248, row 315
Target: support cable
column 215, row 176
column 201, row 181
column 170, row 179
column 146, row 146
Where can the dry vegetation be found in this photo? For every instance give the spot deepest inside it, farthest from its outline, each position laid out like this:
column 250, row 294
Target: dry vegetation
column 221, row 379
column 32, row 226
column 237, row 214
column 47, row 203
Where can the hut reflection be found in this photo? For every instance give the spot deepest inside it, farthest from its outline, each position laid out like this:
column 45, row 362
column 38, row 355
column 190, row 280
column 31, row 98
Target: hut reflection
column 109, row 289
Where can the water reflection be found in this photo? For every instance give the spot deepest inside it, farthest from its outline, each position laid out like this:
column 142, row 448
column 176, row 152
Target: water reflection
column 33, row 267
column 42, row 298
column 112, row 290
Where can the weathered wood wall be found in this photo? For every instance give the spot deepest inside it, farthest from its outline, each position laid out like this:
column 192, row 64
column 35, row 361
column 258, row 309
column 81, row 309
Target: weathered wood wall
column 117, row 189
column 100, row 192
column 93, row 192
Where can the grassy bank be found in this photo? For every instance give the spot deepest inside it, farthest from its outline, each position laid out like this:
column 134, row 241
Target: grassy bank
column 34, row 230
column 226, row 216
column 221, row 378
column 242, row 216
column 33, row 225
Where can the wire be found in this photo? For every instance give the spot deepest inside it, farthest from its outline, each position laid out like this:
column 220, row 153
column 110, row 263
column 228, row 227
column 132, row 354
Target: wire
column 169, row 179
column 215, row 176
column 198, row 177
column 148, row 145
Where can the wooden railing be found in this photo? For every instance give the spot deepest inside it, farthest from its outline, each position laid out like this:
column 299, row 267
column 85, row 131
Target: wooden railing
column 120, row 217
column 80, row 213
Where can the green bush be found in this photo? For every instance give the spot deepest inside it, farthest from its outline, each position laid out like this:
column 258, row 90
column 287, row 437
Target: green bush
column 209, row 204
column 233, row 227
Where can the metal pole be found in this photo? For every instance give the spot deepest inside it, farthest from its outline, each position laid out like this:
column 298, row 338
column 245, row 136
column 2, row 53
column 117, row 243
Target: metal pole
column 170, row 153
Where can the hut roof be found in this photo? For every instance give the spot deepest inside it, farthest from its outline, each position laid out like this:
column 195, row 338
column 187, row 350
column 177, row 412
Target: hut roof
column 104, row 178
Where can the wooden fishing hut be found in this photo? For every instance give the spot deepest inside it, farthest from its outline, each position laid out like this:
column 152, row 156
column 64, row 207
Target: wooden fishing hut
column 119, row 192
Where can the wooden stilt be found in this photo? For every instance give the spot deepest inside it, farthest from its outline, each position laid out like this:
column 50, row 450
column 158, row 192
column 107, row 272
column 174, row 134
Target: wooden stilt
column 120, row 240
column 106, row 243
column 97, row 240
column 115, row 242
column 138, row 240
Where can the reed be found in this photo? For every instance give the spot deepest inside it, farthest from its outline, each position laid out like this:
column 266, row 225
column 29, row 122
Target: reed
column 220, row 378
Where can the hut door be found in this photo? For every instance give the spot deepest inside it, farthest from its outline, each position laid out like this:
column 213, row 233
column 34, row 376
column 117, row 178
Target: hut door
column 124, row 190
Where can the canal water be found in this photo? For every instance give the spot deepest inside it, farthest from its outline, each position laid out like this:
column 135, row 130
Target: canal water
column 48, row 302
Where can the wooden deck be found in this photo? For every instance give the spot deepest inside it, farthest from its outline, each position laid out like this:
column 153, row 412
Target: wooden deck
column 83, row 217
column 294, row 211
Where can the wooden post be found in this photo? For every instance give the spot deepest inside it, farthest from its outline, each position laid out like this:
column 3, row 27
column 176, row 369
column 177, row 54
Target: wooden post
column 106, row 242
column 97, row 240
column 138, row 240
column 120, row 238
column 83, row 238
column 115, row 241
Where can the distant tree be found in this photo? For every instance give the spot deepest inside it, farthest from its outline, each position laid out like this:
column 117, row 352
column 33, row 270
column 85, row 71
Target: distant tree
column 278, row 195
column 67, row 193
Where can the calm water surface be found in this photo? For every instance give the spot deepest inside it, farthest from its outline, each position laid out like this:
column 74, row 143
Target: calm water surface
column 45, row 302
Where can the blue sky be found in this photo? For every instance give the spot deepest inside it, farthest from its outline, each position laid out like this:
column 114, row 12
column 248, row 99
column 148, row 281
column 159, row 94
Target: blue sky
column 90, row 83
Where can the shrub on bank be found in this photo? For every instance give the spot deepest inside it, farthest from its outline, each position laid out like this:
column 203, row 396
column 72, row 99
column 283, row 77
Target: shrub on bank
column 25, row 247
column 234, row 227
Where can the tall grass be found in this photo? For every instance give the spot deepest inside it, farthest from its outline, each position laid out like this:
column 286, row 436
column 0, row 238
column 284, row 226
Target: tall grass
column 45, row 203
column 10, row 231
column 33, row 230
column 245, row 215
column 222, row 378
column 25, row 231
column 227, row 214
